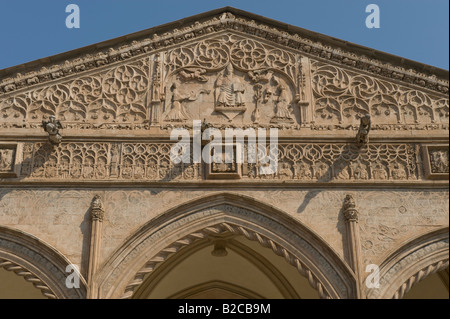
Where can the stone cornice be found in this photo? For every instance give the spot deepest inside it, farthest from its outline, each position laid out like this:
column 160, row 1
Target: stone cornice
column 303, row 41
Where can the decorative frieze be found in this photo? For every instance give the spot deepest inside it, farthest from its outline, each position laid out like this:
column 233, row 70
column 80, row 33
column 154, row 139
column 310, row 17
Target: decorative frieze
column 321, row 162
column 104, row 161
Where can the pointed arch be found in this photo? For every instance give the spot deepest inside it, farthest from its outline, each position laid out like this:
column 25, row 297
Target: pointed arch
column 221, row 213
column 412, row 262
column 38, row 263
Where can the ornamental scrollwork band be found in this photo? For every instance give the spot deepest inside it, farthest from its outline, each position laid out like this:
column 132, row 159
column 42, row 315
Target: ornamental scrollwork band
column 152, row 162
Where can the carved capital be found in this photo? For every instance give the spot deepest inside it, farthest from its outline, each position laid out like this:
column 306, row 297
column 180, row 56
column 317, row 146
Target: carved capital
column 97, row 210
column 350, row 211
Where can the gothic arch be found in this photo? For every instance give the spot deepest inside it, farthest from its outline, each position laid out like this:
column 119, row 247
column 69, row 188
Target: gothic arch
column 260, row 262
column 412, row 262
column 222, row 213
column 38, row 263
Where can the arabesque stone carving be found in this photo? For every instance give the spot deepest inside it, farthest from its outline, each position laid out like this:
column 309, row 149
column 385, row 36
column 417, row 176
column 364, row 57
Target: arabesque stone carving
column 151, row 161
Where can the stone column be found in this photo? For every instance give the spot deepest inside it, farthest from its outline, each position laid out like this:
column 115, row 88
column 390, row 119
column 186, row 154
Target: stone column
column 353, row 241
column 97, row 214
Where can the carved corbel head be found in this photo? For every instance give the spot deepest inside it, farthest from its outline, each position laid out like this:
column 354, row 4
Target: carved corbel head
column 362, row 137
column 349, row 209
column 52, row 127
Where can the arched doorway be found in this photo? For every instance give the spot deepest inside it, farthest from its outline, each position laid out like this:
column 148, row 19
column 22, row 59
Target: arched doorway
column 216, row 217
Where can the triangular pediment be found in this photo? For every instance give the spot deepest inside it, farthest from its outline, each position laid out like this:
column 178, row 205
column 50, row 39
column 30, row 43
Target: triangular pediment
column 231, row 68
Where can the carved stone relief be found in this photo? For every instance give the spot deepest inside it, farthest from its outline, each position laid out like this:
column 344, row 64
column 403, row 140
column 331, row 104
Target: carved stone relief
column 341, row 162
column 103, row 161
column 242, row 81
column 436, row 161
column 116, row 95
column 6, row 160
column 342, row 96
column 151, row 161
column 8, row 166
column 224, row 21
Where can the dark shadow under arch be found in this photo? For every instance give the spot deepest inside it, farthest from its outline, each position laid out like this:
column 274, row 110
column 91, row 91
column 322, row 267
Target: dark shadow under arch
column 41, row 264
column 259, row 261
column 186, row 223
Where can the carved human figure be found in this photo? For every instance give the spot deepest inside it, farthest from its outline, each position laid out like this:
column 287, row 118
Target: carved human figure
column 360, row 171
column 177, row 112
column 282, row 104
column 303, row 171
column 115, row 160
column 379, row 172
column 229, row 90
column 363, row 132
column 284, row 171
column 97, row 203
column 349, row 202
column 51, row 169
column 398, row 172
column 349, row 209
column 321, row 171
column 97, row 209
column 5, row 160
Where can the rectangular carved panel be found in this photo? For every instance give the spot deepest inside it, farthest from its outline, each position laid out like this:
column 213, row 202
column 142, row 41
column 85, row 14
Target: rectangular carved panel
column 436, row 161
column 302, row 162
column 8, row 160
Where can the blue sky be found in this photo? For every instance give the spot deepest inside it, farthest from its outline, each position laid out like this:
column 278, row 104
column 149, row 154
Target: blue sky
column 414, row 29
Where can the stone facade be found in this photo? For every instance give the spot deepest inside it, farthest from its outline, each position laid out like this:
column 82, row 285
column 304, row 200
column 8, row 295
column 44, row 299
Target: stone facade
column 87, row 178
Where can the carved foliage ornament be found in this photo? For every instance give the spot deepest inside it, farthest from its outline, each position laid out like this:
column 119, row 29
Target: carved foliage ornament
column 151, row 161
column 245, row 54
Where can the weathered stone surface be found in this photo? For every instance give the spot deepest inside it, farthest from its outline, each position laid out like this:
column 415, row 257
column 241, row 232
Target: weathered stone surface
column 229, row 69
